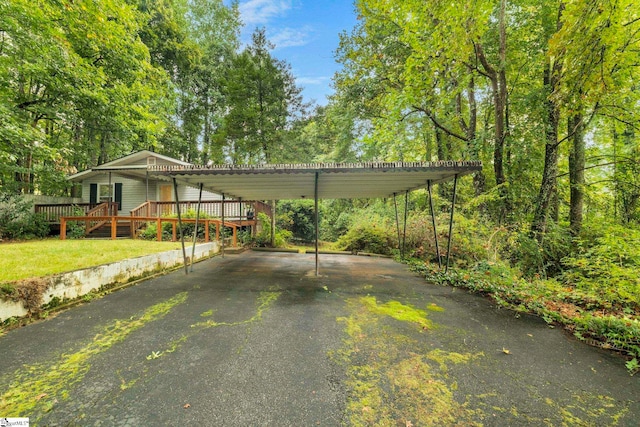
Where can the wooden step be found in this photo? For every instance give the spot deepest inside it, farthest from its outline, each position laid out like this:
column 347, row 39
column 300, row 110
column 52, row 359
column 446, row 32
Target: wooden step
column 122, row 230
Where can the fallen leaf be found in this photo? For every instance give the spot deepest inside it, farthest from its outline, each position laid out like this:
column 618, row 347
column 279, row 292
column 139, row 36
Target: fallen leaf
column 186, row 406
column 505, row 351
column 40, row 396
column 408, row 424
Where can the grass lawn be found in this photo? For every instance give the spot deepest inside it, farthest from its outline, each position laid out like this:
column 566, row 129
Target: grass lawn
column 46, row 257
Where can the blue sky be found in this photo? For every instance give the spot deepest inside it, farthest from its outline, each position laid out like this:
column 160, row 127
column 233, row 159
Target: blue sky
column 305, row 33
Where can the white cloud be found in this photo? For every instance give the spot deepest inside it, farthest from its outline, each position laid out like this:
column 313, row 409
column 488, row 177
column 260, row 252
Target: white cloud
column 289, row 37
column 312, row 80
column 254, row 12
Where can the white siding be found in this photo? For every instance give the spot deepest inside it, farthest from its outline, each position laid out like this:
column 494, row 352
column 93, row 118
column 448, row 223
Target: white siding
column 133, row 191
column 191, row 194
column 143, row 162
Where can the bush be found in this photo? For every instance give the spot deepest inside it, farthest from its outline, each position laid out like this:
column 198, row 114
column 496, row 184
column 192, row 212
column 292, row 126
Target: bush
column 17, row 221
column 368, row 236
column 263, row 239
column 542, row 259
column 151, row 230
column 606, row 265
column 298, row 217
column 76, row 229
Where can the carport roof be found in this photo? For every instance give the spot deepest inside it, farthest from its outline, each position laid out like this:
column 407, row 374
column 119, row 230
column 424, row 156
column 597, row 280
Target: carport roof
column 335, row 180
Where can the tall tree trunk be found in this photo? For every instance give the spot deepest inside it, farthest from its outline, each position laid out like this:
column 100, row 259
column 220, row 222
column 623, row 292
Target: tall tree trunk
column 206, row 130
column 500, row 96
column 440, row 145
column 442, row 149
column 548, row 187
column 576, row 171
column 103, row 156
column 498, row 79
column 479, row 181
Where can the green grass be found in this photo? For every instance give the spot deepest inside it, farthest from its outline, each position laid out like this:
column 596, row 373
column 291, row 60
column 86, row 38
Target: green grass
column 46, row 257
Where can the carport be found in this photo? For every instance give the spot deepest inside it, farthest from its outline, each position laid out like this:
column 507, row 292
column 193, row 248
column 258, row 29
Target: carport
column 322, row 181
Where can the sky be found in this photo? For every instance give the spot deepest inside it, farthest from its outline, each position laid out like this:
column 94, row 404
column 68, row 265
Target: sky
column 306, row 35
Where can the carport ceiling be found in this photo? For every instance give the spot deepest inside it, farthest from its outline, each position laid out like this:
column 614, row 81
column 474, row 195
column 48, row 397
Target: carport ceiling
column 335, row 180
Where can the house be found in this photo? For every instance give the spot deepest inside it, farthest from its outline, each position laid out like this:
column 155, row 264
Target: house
column 125, row 188
column 126, row 182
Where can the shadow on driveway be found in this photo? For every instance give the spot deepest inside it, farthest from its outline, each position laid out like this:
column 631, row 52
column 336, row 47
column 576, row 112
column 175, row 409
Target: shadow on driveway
column 257, row 339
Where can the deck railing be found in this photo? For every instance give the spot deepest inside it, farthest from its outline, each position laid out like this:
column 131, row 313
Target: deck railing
column 113, row 220
column 100, row 211
column 210, row 208
column 53, row 212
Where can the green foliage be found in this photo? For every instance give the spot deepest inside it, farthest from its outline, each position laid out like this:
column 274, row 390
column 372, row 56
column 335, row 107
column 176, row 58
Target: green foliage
column 263, row 99
column 7, row 289
column 298, row 217
column 76, row 229
column 151, row 229
column 150, row 232
column 368, row 235
column 77, row 87
column 17, row 221
column 584, row 313
column 542, row 258
column 263, row 239
column 606, row 265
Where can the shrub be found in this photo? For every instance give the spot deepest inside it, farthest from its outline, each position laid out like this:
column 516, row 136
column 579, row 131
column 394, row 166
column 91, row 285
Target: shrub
column 545, row 258
column 76, row 229
column 369, row 236
column 298, row 217
column 263, row 239
column 151, row 230
column 606, row 265
column 17, row 221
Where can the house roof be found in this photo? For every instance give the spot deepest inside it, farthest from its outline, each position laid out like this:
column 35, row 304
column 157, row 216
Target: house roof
column 298, row 181
column 126, row 165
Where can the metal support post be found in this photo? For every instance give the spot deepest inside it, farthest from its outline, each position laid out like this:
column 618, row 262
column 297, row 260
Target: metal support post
column 195, row 230
column 395, row 204
column 433, row 222
column 110, row 210
column 315, row 199
column 404, row 231
column 453, row 204
column 184, row 252
column 223, row 231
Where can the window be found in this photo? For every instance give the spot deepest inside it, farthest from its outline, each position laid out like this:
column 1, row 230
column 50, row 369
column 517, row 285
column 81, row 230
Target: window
column 105, row 192
column 151, row 161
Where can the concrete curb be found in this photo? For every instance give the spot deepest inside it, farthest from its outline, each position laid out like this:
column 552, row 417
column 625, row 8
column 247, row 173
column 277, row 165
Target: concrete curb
column 72, row 285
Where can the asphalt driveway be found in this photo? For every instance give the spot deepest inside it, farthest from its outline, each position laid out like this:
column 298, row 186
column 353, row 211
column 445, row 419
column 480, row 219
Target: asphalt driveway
column 256, row 339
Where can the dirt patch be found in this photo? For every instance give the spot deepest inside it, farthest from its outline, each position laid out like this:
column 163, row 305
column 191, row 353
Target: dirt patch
column 567, row 310
column 29, row 292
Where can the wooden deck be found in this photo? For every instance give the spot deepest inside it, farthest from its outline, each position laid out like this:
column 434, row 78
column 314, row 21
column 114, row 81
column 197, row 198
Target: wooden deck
column 234, row 210
column 105, row 215
column 132, row 222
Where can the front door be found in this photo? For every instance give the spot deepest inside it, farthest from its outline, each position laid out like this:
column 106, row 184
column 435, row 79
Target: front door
column 166, row 195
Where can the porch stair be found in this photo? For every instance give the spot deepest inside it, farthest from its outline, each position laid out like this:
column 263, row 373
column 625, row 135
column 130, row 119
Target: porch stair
column 104, row 232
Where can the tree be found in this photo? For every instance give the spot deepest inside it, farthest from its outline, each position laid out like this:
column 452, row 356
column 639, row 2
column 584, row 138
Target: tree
column 263, row 101
column 592, row 66
column 77, row 86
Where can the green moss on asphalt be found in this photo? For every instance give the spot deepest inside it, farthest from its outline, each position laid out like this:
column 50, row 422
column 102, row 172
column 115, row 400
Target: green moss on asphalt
column 387, row 382
column 36, row 388
column 398, row 311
